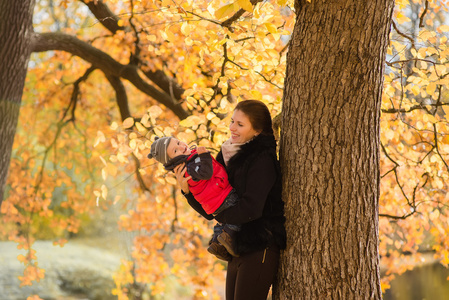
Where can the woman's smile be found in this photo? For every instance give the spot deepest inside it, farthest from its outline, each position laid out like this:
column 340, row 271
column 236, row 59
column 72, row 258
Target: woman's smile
column 241, row 129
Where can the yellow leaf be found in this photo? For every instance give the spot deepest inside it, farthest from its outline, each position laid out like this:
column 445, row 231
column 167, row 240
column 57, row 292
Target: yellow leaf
column 104, row 173
column 140, row 127
column 415, row 90
column 446, row 110
column 21, row 258
column 100, row 138
column 240, row 82
column 256, row 12
column 171, row 180
column 443, row 28
column 169, row 35
column 271, row 28
column 389, row 134
column 256, row 95
column 422, row 53
column 402, row 3
column 430, row 89
column 210, row 116
column 155, row 111
column 112, row 169
column 401, row 18
column 425, row 35
column 158, row 132
column 104, row 191
column 145, row 120
column 185, row 28
column 246, row 5
column 225, row 11
column 190, row 121
column 384, row 286
column 129, row 122
column 419, row 125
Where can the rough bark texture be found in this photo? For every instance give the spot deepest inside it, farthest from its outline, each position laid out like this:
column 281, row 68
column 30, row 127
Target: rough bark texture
column 330, row 149
column 15, row 28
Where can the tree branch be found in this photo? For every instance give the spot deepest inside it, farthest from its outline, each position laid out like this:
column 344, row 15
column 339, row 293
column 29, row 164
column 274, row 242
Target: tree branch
column 414, row 107
column 41, row 42
column 227, row 23
column 120, row 93
column 435, row 132
column 421, row 18
column 403, row 34
column 138, row 175
column 110, row 21
column 75, row 94
column 104, row 15
column 135, row 57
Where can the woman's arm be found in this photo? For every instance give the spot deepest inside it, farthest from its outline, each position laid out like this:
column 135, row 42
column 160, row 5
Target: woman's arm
column 197, row 206
column 260, row 179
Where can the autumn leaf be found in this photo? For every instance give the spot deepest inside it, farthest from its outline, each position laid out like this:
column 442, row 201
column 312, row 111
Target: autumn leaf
column 225, row 11
column 246, row 5
column 206, row 70
column 401, row 18
column 128, row 122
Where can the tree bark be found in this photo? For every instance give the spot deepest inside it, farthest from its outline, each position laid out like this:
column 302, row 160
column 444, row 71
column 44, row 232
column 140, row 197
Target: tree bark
column 15, row 29
column 330, row 149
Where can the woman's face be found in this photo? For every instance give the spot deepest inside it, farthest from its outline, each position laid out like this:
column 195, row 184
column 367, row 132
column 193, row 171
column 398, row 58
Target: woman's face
column 241, row 129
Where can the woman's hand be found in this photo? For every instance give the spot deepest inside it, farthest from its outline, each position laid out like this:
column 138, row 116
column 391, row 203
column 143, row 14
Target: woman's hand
column 180, row 171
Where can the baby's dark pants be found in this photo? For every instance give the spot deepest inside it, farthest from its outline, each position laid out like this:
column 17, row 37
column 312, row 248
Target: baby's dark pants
column 250, row 276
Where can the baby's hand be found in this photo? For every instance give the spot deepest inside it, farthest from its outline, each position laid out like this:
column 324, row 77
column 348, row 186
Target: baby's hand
column 201, row 150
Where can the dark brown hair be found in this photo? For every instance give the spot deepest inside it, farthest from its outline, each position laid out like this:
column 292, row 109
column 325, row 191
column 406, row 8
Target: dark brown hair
column 258, row 114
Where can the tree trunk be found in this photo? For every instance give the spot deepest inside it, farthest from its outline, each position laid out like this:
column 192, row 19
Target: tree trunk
column 15, row 30
column 330, row 149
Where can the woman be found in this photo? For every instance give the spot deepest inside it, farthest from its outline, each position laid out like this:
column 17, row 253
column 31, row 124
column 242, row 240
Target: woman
column 250, row 159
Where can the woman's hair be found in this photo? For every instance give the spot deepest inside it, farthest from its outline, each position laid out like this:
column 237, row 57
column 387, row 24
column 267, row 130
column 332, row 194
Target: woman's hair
column 258, row 114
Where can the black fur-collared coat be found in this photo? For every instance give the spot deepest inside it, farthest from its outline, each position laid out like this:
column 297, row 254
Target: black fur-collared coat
column 255, row 174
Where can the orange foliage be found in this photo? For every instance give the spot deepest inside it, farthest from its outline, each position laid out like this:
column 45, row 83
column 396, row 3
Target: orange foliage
column 415, row 138
column 71, row 160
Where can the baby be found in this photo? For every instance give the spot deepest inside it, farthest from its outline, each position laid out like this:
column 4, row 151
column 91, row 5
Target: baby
column 209, row 185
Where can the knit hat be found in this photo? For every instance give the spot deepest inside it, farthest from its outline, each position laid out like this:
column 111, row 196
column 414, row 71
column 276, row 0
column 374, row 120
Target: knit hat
column 159, row 149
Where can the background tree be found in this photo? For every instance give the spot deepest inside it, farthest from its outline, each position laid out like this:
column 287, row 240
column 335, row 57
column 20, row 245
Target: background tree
column 14, row 54
column 330, row 150
column 106, row 77
column 414, row 126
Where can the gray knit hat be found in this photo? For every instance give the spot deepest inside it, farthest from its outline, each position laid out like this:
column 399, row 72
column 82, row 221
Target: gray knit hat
column 159, row 149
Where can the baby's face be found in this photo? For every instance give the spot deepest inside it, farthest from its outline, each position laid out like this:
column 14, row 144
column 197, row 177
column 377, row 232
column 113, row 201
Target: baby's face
column 176, row 148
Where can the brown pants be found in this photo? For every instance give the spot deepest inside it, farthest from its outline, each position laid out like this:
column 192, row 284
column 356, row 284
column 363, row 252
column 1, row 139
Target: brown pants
column 250, row 276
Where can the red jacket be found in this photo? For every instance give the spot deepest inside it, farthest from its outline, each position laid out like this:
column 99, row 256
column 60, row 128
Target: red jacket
column 210, row 193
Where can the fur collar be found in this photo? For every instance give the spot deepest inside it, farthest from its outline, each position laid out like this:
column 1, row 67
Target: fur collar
column 258, row 145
